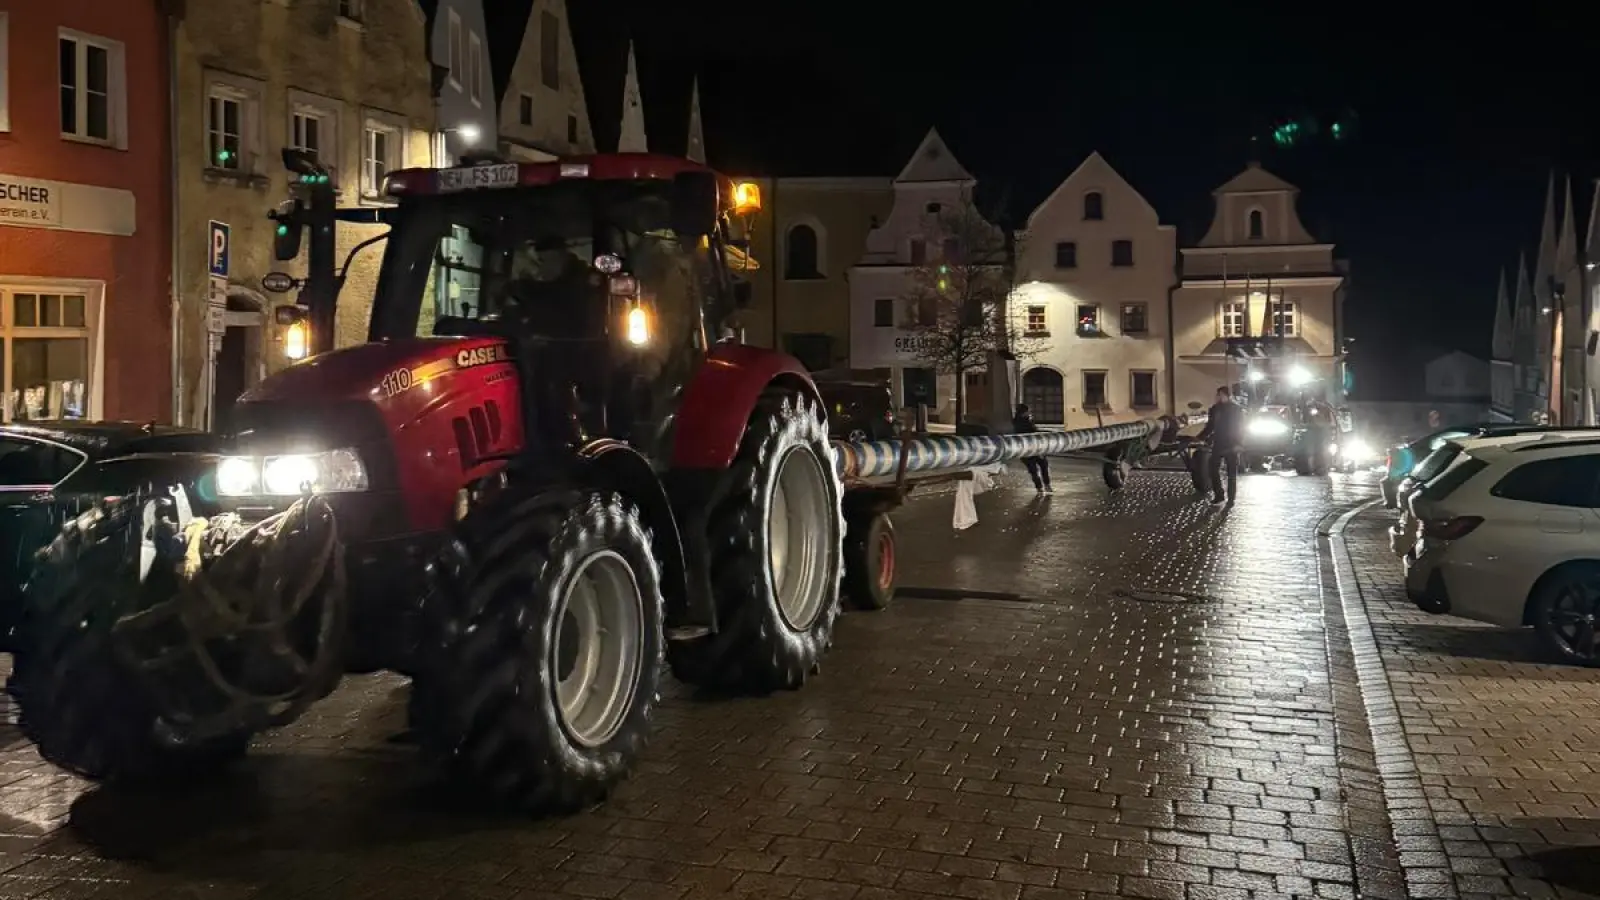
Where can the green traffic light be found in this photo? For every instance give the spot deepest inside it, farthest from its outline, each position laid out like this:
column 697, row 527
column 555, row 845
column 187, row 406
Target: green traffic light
column 283, row 230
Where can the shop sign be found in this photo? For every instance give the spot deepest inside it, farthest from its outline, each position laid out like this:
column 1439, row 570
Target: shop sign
column 29, row 203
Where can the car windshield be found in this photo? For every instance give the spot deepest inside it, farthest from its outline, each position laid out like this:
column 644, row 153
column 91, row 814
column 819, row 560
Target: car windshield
column 1436, row 462
column 529, row 252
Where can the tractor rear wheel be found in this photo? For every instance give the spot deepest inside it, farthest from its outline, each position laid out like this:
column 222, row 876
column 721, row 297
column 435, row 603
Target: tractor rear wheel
column 776, row 537
column 82, row 704
column 541, row 644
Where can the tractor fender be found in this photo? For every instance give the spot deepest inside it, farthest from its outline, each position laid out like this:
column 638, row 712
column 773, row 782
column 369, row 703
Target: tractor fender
column 717, row 403
column 625, row 470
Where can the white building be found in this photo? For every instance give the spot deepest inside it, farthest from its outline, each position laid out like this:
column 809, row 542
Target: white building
column 540, row 90
column 882, row 334
column 1094, row 269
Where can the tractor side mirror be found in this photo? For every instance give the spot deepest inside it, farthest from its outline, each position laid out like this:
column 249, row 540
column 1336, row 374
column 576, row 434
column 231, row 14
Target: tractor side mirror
column 694, row 204
column 286, row 238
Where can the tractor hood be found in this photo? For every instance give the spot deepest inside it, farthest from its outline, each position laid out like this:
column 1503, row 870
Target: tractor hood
column 375, row 371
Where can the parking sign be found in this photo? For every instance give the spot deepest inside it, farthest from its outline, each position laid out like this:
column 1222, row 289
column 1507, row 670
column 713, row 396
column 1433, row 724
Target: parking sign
column 219, row 234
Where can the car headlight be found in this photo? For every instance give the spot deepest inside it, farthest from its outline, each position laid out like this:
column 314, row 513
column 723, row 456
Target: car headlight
column 1268, row 428
column 289, row 475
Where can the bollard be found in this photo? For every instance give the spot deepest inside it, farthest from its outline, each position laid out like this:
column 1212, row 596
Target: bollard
column 920, row 424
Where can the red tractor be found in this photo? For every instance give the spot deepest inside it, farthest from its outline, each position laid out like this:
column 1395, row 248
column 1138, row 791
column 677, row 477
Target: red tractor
column 541, row 476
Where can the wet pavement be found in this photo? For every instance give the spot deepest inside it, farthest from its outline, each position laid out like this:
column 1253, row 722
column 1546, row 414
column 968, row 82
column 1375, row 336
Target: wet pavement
column 1156, row 698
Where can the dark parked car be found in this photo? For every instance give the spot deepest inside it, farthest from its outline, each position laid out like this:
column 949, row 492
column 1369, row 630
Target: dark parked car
column 859, row 409
column 1403, row 457
column 51, row 471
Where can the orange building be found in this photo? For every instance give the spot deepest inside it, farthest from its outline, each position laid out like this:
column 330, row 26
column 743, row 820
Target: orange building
column 85, row 210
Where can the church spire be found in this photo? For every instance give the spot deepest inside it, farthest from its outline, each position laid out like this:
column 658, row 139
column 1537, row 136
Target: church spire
column 697, row 138
column 632, row 137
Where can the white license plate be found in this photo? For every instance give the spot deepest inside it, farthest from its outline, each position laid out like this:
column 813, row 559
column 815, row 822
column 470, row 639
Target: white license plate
column 472, row 177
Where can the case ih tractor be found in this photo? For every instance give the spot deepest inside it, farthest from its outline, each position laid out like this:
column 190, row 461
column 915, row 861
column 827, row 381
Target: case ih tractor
column 540, row 477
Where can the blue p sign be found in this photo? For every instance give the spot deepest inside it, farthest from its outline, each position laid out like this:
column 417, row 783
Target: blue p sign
column 219, row 234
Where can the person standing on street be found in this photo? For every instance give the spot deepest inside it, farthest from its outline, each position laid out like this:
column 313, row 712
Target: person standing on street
column 1225, row 432
column 1038, row 466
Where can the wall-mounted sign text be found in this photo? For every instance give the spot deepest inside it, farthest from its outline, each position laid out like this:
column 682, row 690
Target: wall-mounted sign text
column 29, row 203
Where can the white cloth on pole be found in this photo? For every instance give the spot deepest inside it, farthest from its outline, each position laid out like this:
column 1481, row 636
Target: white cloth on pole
column 966, row 514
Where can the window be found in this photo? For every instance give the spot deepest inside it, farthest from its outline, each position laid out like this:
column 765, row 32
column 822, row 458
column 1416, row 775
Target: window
column 91, row 89
column 1142, row 390
column 933, row 208
column 1257, row 226
column 455, row 49
column 1088, row 320
column 883, row 312
column 45, row 353
column 1094, row 391
column 1135, row 318
column 5, row 66
column 1045, row 393
column 550, row 50
column 572, row 129
column 1122, row 253
column 1562, row 481
column 525, row 109
column 1037, row 324
column 230, row 128
column 1230, row 319
column 919, row 251
column 306, row 132
column 475, row 69
column 1093, row 207
column 25, row 463
column 800, row 256
column 350, row 9
column 1284, row 321
column 380, row 154
column 1066, row 255
column 922, row 312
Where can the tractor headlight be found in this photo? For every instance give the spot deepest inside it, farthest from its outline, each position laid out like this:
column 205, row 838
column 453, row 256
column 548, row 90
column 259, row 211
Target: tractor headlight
column 290, row 474
column 1268, row 428
column 1358, row 451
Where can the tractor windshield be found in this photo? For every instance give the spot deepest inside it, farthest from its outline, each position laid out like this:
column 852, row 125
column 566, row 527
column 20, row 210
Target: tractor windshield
column 530, row 253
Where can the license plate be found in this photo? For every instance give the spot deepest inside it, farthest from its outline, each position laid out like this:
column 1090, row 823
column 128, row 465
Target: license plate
column 472, row 177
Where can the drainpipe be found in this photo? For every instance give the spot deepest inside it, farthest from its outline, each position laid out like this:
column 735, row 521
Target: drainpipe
column 1172, row 349
column 172, row 211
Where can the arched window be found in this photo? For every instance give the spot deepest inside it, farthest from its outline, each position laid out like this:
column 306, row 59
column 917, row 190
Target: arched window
column 1043, row 390
column 1257, row 225
column 1093, row 207
column 800, row 259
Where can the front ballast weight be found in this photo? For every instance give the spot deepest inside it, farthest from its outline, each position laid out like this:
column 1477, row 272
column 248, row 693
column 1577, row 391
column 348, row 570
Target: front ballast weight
column 157, row 642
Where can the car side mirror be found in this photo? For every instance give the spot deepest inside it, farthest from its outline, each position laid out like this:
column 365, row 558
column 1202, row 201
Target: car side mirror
column 694, row 204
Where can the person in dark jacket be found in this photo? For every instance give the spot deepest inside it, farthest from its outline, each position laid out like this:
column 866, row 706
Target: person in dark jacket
column 1225, row 432
column 1038, row 466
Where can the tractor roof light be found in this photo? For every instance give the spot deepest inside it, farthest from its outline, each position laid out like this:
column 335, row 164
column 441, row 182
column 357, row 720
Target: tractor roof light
column 746, row 198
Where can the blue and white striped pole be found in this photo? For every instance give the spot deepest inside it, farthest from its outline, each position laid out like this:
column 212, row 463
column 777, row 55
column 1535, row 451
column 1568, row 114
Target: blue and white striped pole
column 875, row 459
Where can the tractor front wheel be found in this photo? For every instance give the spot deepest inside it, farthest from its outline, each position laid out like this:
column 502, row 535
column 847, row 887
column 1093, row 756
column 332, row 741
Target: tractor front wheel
column 84, row 706
column 776, row 538
column 541, row 647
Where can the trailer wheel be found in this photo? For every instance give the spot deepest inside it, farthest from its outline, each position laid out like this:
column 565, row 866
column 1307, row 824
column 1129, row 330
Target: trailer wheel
column 1116, row 469
column 776, row 538
column 541, row 648
column 1199, row 465
column 79, row 701
column 869, row 548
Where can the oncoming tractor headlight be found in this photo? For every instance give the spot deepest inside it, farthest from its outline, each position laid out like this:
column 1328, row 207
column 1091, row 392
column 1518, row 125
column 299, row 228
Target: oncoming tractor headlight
column 1267, row 427
column 290, row 474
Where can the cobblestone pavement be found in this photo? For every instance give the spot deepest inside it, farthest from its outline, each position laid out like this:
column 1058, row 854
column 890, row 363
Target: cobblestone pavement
column 1506, row 748
column 1150, row 716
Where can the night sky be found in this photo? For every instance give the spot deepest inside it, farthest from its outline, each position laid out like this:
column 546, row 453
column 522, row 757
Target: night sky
column 1459, row 122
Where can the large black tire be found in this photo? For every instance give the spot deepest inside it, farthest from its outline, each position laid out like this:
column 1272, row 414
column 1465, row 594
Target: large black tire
column 757, row 648
column 495, row 639
column 1562, row 603
column 79, row 701
column 1115, row 470
column 1199, row 465
column 869, row 548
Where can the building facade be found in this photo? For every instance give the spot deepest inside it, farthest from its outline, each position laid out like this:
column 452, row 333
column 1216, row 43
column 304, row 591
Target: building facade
column 85, row 211
column 1502, row 375
column 465, row 116
column 884, row 333
column 1095, row 269
column 1258, row 294
column 344, row 80
column 539, row 91
column 808, row 237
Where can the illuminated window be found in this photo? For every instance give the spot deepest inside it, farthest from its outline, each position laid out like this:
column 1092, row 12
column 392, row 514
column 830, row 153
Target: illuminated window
column 1088, row 320
column 45, row 353
column 1036, row 320
column 1230, row 319
column 1285, row 321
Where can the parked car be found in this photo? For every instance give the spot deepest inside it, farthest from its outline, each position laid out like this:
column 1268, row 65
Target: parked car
column 859, row 409
column 51, row 471
column 1508, row 537
column 1403, row 457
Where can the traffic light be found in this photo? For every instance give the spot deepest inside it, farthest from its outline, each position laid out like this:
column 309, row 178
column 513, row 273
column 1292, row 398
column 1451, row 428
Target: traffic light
column 314, row 209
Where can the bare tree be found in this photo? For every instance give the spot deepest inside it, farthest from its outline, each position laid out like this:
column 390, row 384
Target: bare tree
column 956, row 303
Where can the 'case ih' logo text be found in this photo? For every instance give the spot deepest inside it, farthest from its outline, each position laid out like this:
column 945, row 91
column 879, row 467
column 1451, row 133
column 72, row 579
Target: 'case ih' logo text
column 482, row 356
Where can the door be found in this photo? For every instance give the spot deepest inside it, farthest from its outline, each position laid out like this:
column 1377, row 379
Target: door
column 232, row 378
column 1044, row 392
